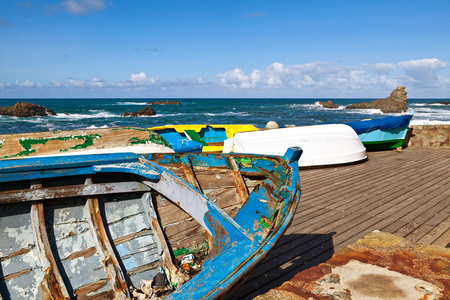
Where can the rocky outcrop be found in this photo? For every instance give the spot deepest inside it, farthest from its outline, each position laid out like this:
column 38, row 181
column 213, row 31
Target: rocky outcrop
column 147, row 111
column 328, row 104
column 395, row 103
column 445, row 102
column 25, row 109
column 165, row 102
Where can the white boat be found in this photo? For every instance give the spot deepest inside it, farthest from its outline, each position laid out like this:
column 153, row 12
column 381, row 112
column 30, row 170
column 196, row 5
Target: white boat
column 322, row 144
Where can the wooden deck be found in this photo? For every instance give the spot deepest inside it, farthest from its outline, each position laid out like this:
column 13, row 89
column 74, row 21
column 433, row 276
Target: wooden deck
column 404, row 193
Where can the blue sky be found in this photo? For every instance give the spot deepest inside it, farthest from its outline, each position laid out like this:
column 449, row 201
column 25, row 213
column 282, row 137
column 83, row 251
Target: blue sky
column 183, row 49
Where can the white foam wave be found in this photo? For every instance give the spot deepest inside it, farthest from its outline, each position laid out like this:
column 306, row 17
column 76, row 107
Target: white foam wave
column 96, row 127
column 428, row 122
column 169, row 115
column 372, row 111
column 99, row 115
column 230, row 113
column 427, row 104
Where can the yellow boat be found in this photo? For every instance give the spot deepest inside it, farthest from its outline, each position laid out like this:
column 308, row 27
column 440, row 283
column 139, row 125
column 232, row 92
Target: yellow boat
column 211, row 136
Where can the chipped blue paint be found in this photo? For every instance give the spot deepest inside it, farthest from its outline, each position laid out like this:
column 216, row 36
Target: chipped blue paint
column 239, row 242
column 129, row 262
column 58, row 162
column 238, row 256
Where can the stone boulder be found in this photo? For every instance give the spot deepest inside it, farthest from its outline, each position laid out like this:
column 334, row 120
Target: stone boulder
column 165, row 102
column 25, row 109
column 329, row 104
column 395, row 103
column 146, row 111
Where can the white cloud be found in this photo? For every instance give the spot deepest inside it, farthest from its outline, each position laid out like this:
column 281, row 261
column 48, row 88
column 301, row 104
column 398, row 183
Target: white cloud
column 142, row 79
column 83, row 7
column 332, row 76
column 423, row 71
column 74, row 83
column 234, row 79
column 27, row 84
column 319, row 79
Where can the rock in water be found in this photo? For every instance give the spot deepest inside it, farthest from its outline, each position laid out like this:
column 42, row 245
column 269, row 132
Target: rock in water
column 25, row 109
column 147, row 111
column 329, row 104
column 165, row 102
column 395, row 103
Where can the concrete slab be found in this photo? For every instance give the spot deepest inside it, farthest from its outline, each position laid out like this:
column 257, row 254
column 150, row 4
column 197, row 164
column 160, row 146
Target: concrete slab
column 379, row 266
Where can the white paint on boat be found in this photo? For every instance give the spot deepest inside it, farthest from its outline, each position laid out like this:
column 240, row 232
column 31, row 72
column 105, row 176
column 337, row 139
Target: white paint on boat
column 138, row 149
column 322, row 144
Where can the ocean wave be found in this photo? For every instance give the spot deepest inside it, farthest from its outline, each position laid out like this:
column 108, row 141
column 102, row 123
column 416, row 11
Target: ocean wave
column 229, row 113
column 429, row 122
column 427, row 104
column 372, row 111
column 48, row 127
column 170, row 115
column 101, row 114
column 96, row 127
column 131, row 103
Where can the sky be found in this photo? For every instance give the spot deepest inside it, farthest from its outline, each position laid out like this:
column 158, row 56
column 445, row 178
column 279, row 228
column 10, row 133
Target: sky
column 224, row 49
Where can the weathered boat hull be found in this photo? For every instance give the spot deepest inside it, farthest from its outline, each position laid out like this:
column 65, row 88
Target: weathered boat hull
column 96, row 225
column 322, row 144
column 210, row 136
column 90, row 141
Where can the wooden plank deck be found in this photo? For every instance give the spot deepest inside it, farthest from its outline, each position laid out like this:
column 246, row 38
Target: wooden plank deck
column 404, row 193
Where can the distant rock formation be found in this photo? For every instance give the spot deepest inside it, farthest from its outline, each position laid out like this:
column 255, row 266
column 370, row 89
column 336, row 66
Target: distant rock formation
column 445, row 102
column 395, row 103
column 147, row 111
column 25, row 109
column 328, row 104
column 165, row 102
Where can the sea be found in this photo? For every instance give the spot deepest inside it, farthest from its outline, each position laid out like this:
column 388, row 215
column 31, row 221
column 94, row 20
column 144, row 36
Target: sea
column 106, row 113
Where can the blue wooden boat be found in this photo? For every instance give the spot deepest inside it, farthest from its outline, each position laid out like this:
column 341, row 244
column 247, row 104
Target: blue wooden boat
column 382, row 134
column 116, row 226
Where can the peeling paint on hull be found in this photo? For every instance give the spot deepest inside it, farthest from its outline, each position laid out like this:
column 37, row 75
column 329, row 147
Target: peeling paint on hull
column 95, row 226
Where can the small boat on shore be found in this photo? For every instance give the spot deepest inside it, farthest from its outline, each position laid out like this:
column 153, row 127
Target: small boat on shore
column 210, row 136
column 116, row 226
column 90, row 141
column 322, row 145
column 382, row 134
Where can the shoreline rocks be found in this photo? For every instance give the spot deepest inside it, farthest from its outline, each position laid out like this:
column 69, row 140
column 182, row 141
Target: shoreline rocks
column 165, row 102
column 395, row 103
column 329, row 104
column 444, row 102
column 147, row 111
column 26, row 109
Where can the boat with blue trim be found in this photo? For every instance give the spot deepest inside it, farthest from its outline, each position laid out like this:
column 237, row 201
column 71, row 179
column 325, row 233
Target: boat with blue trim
column 125, row 225
column 384, row 133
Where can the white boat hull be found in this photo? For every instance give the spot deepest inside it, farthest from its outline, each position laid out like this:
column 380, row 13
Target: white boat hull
column 322, row 144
